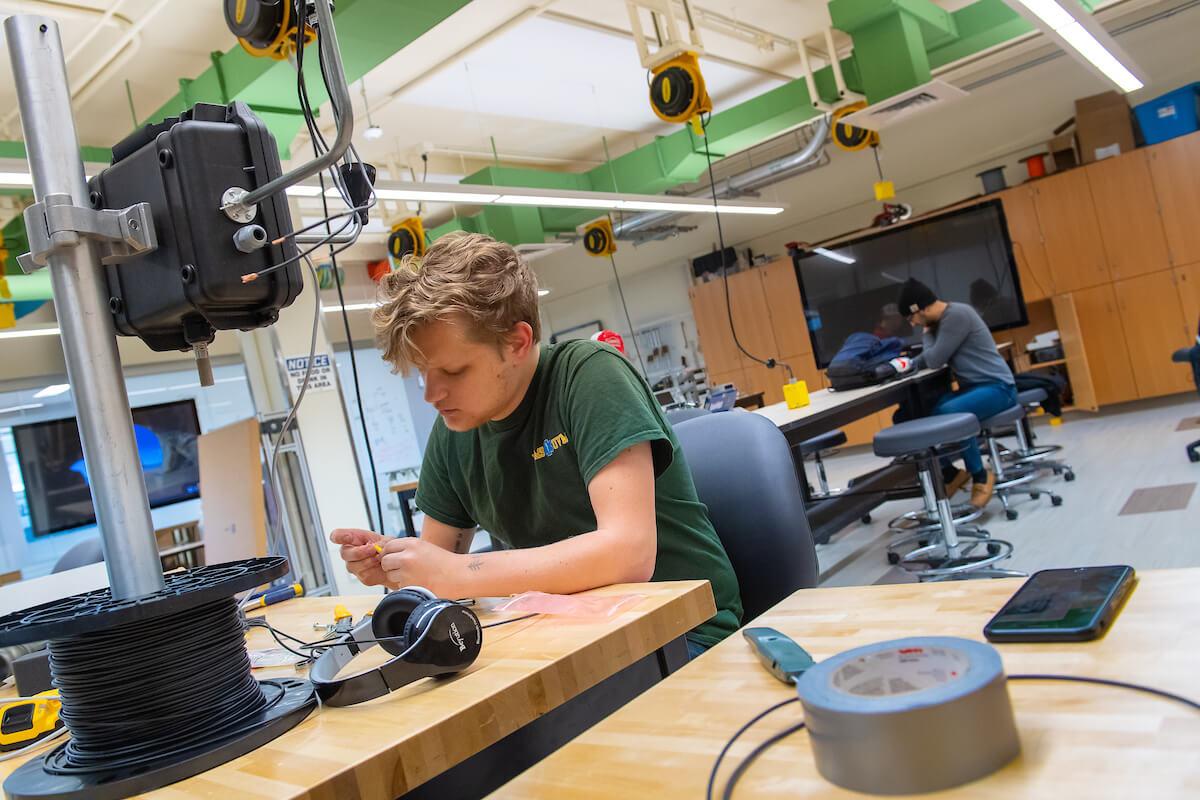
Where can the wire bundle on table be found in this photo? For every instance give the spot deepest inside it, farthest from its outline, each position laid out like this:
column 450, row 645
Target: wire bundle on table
column 138, row 693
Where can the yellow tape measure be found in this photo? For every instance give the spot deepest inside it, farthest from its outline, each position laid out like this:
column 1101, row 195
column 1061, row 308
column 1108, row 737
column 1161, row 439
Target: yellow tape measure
column 24, row 722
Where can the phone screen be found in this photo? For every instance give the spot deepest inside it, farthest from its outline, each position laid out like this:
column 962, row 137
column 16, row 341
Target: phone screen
column 1056, row 599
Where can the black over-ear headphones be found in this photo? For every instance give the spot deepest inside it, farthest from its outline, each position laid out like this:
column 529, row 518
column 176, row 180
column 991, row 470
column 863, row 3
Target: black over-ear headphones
column 427, row 636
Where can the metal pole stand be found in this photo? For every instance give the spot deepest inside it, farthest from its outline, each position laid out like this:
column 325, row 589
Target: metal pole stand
column 143, row 628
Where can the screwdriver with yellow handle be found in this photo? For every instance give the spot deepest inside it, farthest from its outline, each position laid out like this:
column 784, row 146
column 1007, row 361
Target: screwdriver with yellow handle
column 273, row 596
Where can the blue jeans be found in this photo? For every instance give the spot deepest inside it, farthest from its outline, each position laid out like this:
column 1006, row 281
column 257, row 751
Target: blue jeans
column 983, row 400
column 695, row 648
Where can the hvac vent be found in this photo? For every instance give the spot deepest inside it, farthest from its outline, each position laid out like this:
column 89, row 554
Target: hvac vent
column 896, row 108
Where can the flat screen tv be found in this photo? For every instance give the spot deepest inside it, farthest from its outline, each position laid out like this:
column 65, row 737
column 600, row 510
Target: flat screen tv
column 965, row 256
column 57, row 488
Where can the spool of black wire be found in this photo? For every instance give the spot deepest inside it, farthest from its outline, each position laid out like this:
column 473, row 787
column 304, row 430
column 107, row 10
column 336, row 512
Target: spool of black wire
column 154, row 689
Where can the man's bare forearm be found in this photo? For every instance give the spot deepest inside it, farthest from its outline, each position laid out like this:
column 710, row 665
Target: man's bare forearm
column 572, row 565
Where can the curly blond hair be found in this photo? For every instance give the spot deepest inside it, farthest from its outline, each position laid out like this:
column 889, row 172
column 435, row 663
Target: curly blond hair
column 465, row 275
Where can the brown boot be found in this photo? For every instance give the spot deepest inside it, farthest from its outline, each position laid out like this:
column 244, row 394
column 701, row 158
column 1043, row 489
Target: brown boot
column 957, row 483
column 981, row 492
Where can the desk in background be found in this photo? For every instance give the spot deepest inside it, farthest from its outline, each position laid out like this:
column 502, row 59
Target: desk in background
column 1077, row 740
column 405, row 492
column 828, row 410
column 536, row 684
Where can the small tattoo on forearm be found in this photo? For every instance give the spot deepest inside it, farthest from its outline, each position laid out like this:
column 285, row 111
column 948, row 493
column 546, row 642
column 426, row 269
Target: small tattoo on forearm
column 476, row 564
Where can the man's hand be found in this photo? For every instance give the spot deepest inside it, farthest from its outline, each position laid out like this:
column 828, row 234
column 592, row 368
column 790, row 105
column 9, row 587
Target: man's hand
column 359, row 553
column 416, row 562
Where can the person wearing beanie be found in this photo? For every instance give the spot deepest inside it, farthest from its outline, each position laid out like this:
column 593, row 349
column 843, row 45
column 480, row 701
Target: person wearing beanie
column 955, row 334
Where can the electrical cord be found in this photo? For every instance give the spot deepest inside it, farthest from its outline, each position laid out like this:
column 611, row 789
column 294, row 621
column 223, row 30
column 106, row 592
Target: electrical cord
column 769, row 363
column 508, row 621
column 761, row 748
column 36, row 745
column 632, row 332
column 362, row 414
column 145, row 705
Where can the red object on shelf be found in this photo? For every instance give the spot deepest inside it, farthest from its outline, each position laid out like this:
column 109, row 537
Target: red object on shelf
column 1036, row 165
column 610, row 338
column 377, row 269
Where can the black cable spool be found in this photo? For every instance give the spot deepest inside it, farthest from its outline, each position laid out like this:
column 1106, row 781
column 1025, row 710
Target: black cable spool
column 154, row 689
column 401, row 242
column 257, row 21
column 595, row 241
column 672, row 92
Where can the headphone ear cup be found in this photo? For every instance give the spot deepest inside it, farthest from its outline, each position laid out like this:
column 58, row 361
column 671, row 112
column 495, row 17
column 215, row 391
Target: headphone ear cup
column 391, row 617
column 417, row 622
column 449, row 635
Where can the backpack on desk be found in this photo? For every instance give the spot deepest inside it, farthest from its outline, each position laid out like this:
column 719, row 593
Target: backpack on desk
column 863, row 361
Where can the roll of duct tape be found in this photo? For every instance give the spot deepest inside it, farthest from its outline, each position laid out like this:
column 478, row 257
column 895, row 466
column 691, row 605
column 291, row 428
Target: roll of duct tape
column 910, row 715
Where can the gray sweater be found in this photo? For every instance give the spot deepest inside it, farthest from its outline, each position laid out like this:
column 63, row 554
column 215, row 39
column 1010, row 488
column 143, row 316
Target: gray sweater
column 961, row 339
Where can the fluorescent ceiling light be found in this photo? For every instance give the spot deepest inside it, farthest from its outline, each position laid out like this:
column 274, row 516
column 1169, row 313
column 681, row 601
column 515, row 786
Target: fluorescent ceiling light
column 558, row 202
column 349, row 307
column 373, row 132
column 470, row 194
column 543, row 292
column 1099, row 57
column 53, row 390
column 26, row 407
column 303, row 190
column 21, row 333
column 1076, row 30
column 16, row 179
column 831, row 254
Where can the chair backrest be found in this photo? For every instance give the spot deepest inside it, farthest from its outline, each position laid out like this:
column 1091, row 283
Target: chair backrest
column 743, row 471
column 678, row 415
column 89, row 551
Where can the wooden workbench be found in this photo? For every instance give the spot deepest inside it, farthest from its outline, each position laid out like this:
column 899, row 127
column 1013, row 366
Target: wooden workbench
column 1077, row 740
column 527, row 671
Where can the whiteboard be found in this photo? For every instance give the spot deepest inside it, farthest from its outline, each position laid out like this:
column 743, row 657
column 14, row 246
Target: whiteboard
column 389, row 419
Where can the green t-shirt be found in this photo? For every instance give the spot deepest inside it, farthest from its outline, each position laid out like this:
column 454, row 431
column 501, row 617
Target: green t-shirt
column 524, row 478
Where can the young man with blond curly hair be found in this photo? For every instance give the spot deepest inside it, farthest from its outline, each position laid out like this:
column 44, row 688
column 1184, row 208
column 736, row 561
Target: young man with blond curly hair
column 559, row 451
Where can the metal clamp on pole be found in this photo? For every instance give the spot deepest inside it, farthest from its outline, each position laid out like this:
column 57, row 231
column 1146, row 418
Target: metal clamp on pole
column 56, row 223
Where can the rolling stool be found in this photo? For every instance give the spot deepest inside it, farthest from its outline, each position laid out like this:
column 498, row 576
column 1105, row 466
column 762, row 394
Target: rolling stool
column 1028, row 452
column 817, row 447
column 941, row 550
column 1011, row 479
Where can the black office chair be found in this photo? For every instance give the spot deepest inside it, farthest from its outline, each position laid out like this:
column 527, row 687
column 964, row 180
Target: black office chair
column 1191, row 355
column 89, row 551
column 744, row 473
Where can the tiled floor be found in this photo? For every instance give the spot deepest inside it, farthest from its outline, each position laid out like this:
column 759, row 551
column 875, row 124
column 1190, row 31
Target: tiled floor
column 1122, row 449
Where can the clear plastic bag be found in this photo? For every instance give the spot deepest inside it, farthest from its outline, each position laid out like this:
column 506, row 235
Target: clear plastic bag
column 570, row 605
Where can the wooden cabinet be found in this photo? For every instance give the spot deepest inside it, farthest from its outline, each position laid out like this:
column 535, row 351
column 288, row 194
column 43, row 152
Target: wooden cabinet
column 1083, row 390
column 1152, row 316
column 1127, row 210
column 1028, row 247
column 1175, row 169
column 782, row 293
column 1188, row 280
column 1104, row 342
column 1071, row 233
column 752, row 317
column 712, row 327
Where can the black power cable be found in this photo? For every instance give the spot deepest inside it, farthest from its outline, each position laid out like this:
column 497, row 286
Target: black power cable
column 632, row 332
column 144, row 703
column 769, row 363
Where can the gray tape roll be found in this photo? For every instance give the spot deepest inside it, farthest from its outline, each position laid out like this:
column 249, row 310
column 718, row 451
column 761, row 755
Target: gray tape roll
column 910, row 715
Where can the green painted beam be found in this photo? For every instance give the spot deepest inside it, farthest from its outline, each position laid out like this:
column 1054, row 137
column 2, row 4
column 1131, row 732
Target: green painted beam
column 981, row 25
column 891, row 41
column 91, row 155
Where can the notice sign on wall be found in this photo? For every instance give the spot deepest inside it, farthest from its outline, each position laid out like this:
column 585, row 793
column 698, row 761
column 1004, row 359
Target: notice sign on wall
column 321, row 378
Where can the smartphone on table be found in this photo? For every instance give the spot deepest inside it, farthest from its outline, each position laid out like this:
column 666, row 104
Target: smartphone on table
column 1063, row 605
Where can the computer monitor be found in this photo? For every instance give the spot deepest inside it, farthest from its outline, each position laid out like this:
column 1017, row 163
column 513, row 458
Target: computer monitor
column 964, row 255
column 57, row 487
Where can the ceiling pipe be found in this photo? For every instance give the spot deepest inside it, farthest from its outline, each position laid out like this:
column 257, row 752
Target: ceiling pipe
column 743, row 182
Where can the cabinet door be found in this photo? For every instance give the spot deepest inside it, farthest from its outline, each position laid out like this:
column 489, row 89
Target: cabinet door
column 1104, row 341
column 787, row 312
column 768, row 381
column 1028, row 247
column 805, row 369
column 1153, row 319
column 712, row 327
column 1188, row 281
column 1127, row 210
column 1079, row 372
column 1175, row 169
column 1067, row 218
column 751, row 316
